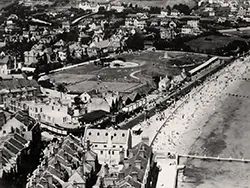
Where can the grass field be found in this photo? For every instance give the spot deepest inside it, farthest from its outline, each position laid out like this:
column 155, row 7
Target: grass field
column 211, row 42
column 149, row 64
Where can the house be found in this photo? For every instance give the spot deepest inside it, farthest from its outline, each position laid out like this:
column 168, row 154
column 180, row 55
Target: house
column 138, row 170
column 140, row 23
column 175, row 12
column 164, row 84
column 20, row 137
column 108, row 143
column 94, row 7
column 193, row 23
column 52, row 111
column 187, row 30
column 30, row 57
column 167, row 33
column 98, row 104
column 164, row 13
column 66, row 164
column 66, row 25
column 16, row 87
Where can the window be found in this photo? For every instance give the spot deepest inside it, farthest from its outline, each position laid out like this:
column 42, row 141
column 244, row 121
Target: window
column 36, row 110
column 53, row 107
column 114, row 146
column 64, row 119
column 106, row 134
column 89, row 133
column 96, row 146
column 115, row 134
column 123, row 134
column 121, row 146
column 98, row 134
column 101, row 152
column 113, row 152
column 109, row 152
column 105, row 146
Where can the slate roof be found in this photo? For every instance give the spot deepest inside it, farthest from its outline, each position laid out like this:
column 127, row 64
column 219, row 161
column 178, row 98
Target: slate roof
column 141, row 153
column 68, row 155
column 102, row 136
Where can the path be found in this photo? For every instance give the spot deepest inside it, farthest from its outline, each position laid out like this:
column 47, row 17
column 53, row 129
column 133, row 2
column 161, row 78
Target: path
column 133, row 74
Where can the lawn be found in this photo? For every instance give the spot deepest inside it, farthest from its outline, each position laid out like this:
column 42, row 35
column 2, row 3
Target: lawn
column 211, row 42
column 149, row 64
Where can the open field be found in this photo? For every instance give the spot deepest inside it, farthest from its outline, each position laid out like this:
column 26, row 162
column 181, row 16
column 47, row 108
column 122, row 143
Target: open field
column 149, row 64
column 159, row 3
column 211, row 42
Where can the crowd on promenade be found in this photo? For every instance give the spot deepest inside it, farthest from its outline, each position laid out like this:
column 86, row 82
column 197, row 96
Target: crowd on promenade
column 193, row 109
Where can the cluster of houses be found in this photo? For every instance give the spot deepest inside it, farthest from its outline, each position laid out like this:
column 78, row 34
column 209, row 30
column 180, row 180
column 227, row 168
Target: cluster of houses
column 99, row 160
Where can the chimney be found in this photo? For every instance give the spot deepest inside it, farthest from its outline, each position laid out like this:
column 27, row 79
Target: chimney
column 145, row 140
column 83, row 157
column 105, row 170
column 130, row 153
column 121, row 155
column 72, row 146
column 141, row 153
column 88, row 145
column 121, row 175
column 1, row 158
column 37, row 179
column 126, row 164
column 138, row 164
column 134, row 175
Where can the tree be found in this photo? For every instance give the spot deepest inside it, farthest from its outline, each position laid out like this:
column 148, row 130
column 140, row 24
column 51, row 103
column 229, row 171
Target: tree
column 182, row 9
column 61, row 88
column 135, row 42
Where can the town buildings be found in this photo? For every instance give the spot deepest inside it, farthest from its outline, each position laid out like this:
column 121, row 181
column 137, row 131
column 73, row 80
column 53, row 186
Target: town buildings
column 66, row 164
column 20, row 145
column 138, row 170
column 109, row 144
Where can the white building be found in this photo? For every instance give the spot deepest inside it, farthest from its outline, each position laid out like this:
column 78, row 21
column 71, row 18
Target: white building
column 109, row 144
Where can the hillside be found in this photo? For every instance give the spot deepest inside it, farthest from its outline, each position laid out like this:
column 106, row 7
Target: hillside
column 160, row 3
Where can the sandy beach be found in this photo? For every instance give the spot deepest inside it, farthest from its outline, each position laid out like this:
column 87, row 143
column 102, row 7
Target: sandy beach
column 213, row 121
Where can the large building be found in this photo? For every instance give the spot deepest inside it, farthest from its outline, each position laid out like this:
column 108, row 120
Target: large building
column 138, row 171
column 16, row 87
column 66, row 164
column 109, row 143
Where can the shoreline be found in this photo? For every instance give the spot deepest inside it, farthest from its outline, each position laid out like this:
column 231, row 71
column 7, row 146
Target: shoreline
column 179, row 134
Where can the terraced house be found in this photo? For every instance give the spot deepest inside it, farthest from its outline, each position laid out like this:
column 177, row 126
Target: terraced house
column 66, row 164
column 139, row 170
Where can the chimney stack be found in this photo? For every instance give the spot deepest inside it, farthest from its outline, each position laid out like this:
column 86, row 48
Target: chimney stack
column 49, row 179
column 138, row 164
column 145, row 140
column 134, row 176
column 106, row 170
column 130, row 153
column 121, row 155
column 88, row 145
